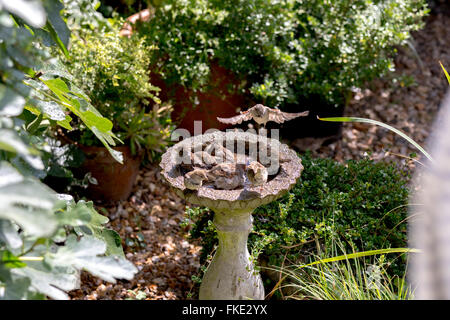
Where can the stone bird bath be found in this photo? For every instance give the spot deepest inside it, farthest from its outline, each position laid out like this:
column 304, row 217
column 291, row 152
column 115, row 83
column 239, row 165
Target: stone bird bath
column 231, row 274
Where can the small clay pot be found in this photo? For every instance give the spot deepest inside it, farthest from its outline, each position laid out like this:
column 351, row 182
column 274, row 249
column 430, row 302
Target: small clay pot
column 114, row 180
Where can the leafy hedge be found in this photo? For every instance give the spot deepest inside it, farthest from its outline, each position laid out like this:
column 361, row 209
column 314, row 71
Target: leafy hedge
column 363, row 203
column 283, row 51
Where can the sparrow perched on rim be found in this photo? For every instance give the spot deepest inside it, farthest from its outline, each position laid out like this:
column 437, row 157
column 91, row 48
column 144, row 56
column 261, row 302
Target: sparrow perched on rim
column 262, row 114
column 227, row 176
column 256, row 173
column 193, row 180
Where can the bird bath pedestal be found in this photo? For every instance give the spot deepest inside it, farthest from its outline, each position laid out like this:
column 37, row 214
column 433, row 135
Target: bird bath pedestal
column 231, row 274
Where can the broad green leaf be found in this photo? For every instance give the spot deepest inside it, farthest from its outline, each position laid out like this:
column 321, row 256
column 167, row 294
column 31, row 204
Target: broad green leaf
column 107, row 140
column 11, row 142
column 101, row 123
column 53, row 282
column 79, row 93
column 81, row 213
column 56, row 38
column 27, row 202
column 31, row 11
column 56, row 25
column 9, row 234
column 17, row 289
column 65, row 123
column 52, row 110
column 86, row 255
column 53, row 68
column 90, row 222
column 381, row 124
column 58, row 86
column 112, row 240
column 11, row 103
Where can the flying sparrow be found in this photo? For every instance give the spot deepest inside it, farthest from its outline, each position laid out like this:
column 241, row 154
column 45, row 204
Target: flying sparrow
column 256, row 173
column 262, row 114
column 227, row 176
column 194, row 179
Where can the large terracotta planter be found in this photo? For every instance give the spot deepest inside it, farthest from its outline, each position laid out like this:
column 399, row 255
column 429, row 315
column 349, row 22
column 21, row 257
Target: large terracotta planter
column 216, row 101
column 115, row 180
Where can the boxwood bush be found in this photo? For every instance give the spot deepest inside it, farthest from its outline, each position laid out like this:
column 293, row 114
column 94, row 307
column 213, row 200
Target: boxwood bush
column 283, row 51
column 362, row 203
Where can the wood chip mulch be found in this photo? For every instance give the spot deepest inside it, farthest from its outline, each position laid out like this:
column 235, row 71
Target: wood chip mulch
column 149, row 222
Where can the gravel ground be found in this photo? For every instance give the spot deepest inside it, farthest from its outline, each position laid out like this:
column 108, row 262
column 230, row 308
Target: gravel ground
column 410, row 109
column 149, row 221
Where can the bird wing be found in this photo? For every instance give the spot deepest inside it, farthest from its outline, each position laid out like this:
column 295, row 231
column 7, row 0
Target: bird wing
column 279, row 117
column 244, row 116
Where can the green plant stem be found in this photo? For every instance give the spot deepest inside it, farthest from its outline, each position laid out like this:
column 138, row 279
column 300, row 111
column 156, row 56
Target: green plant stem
column 381, row 124
column 362, row 254
column 31, row 258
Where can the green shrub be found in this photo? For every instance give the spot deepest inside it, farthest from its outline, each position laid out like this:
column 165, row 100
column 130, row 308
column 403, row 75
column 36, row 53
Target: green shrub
column 114, row 73
column 362, row 203
column 283, row 51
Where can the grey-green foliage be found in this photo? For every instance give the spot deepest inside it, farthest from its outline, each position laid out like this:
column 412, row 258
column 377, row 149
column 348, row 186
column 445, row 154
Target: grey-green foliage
column 283, row 51
column 38, row 240
column 39, row 252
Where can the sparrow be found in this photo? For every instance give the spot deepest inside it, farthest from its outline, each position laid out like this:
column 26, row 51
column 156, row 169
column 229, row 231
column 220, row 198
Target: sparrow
column 262, row 114
column 219, row 152
column 256, row 173
column 199, row 159
column 227, row 176
column 203, row 159
column 193, row 180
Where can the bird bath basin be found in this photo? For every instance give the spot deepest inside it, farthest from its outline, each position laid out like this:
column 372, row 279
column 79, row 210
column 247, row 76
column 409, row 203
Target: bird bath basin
column 231, row 274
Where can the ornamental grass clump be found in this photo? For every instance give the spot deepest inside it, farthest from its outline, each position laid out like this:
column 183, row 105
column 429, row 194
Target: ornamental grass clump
column 350, row 276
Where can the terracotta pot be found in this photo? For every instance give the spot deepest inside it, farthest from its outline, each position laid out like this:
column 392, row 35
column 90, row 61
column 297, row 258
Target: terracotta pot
column 115, row 180
column 215, row 102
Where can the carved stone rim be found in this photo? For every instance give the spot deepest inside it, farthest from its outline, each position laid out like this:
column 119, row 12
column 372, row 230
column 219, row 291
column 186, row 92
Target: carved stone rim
column 290, row 171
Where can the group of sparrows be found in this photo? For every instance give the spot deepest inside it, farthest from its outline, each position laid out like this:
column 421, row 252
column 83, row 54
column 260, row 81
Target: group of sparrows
column 229, row 174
